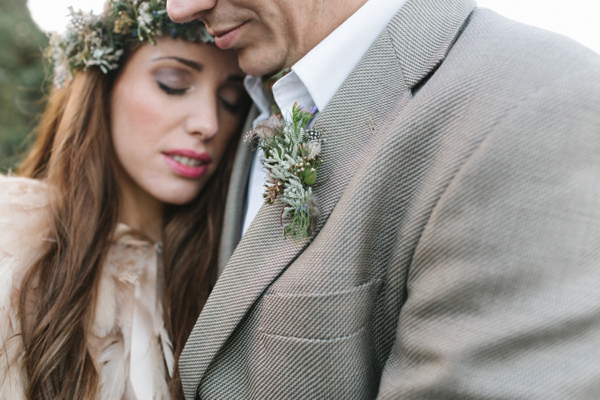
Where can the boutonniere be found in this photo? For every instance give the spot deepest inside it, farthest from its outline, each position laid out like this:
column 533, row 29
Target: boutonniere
column 292, row 159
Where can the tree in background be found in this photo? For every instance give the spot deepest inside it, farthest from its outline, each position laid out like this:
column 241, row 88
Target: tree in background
column 21, row 78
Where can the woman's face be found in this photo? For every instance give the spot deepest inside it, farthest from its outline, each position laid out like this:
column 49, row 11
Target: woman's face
column 174, row 108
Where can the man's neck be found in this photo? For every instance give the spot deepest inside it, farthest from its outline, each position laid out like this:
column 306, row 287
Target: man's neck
column 329, row 15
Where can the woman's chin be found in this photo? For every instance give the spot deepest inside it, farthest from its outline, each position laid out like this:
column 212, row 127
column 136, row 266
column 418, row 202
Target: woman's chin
column 177, row 197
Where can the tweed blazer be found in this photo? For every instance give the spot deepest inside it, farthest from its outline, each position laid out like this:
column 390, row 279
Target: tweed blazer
column 457, row 251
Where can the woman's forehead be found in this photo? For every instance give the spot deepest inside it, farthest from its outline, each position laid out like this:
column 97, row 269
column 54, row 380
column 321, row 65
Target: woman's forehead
column 205, row 54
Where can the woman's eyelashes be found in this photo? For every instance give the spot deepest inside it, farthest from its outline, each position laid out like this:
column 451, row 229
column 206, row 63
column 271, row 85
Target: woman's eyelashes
column 178, row 82
column 232, row 99
column 171, row 90
column 233, row 108
column 173, row 81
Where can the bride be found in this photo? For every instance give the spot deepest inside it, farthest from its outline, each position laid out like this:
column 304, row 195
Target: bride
column 110, row 230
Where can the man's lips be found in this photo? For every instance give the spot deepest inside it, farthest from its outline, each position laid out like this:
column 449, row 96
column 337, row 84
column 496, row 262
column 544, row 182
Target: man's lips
column 224, row 38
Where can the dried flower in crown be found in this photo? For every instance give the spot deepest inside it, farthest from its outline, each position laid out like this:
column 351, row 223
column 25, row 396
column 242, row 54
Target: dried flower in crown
column 99, row 40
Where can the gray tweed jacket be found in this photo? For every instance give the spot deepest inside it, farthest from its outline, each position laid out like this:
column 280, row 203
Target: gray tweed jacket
column 457, row 254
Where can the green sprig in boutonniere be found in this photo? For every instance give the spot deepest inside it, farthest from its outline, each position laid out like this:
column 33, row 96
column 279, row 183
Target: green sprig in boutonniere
column 292, row 159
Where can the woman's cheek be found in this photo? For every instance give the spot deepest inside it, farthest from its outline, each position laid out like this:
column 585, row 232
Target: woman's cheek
column 147, row 111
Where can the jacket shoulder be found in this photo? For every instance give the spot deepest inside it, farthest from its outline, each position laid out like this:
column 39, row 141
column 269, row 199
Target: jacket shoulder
column 491, row 39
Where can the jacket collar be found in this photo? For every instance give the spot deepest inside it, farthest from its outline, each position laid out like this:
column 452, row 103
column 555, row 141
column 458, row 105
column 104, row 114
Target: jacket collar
column 236, row 196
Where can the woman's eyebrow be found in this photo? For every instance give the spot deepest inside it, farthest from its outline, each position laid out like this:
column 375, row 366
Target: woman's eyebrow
column 192, row 64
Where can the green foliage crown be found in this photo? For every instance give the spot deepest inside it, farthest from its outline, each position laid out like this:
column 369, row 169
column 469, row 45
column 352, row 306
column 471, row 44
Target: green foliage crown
column 99, row 40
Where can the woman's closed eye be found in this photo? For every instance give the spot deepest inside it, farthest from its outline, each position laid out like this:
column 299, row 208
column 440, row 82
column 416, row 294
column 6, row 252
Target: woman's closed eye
column 173, row 81
column 171, row 90
column 232, row 99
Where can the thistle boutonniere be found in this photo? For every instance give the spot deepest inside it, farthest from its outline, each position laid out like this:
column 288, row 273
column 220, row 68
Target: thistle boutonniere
column 292, row 159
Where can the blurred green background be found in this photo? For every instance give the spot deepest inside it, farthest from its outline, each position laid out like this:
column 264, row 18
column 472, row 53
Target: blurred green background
column 22, row 76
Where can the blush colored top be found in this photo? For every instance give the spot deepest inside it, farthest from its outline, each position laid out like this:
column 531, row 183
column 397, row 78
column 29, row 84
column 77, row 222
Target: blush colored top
column 128, row 341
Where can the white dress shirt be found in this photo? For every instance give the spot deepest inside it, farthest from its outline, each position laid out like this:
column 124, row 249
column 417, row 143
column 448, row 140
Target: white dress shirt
column 316, row 78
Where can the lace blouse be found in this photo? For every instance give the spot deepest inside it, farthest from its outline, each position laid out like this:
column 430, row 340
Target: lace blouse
column 128, row 343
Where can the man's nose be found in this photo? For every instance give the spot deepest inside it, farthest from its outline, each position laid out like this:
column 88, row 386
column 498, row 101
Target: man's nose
column 188, row 10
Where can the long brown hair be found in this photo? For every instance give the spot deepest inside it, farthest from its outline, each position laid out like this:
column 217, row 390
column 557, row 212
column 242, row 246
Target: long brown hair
column 74, row 154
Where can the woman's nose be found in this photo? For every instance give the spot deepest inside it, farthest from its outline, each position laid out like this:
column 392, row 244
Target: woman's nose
column 204, row 119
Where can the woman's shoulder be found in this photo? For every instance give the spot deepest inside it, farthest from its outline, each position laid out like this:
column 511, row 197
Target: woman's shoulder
column 25, row 219
column 19, row 188
column 24, row 225
column 20, row 197
column 24, row 215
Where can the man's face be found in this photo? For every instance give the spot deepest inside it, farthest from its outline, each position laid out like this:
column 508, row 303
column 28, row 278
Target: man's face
column 269, row 35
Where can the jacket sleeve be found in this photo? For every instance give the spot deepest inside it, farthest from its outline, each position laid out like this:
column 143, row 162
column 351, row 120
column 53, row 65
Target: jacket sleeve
column 504, row 288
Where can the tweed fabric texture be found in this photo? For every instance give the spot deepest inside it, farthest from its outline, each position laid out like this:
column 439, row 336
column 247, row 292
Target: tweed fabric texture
column 456, row 255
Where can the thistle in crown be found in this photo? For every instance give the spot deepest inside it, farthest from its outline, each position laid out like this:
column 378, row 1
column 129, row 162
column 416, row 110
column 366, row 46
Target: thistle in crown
column 99, row 41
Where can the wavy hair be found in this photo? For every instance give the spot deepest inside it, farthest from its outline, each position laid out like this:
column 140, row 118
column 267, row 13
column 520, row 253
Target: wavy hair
column 74, row 154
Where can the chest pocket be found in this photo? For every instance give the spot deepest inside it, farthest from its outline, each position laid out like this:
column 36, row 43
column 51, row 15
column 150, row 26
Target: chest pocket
column 323, row 316
column 316, row 346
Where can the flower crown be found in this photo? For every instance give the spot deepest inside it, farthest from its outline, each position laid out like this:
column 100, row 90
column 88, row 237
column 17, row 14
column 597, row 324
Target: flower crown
column 98, row 40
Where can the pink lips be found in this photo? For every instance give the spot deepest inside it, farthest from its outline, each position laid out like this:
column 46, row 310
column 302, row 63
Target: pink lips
column 187, row 171
column 224, row 39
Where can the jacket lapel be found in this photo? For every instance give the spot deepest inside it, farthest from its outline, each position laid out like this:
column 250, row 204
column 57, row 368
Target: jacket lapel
column 379, row 87
column 236, row 196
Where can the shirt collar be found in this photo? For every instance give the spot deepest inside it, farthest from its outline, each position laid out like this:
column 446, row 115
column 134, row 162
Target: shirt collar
column 255, row 89
column 316, row 77
column 324, row 69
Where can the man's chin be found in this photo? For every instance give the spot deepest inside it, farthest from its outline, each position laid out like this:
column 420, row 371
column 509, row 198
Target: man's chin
column 255, row 62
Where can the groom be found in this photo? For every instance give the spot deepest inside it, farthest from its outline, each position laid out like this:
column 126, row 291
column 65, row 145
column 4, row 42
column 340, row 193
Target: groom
column 457, row 250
